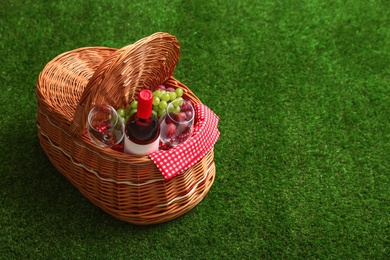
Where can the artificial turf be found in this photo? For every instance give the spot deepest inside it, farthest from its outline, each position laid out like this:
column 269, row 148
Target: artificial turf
column 302, row 91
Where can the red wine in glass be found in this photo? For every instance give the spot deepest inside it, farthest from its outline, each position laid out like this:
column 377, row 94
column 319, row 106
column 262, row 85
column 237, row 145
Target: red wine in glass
column 105, row 127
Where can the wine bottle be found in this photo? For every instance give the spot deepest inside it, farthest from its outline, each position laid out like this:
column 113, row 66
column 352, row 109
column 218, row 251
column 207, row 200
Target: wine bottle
column 142, row 130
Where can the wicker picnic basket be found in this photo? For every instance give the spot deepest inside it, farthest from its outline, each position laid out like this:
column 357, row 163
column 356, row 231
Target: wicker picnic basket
column 129, row 187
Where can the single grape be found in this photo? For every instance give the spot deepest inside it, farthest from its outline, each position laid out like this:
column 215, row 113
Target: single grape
column 161, row 112
column 163, row 104
column 134, row 104
column 154, row 113
column 178, row 101
column 133, row 111
column 168, row 119
column 160, row 87
column 156, row 108
column 127, row 111
column 176, row 109
column 165, row 97
column 171, row 108
column 170, row 129
column 121, row 112
column 186, row 106
column 179, row 92
column 170, row 89
column 181, row 116
column 156, row 101
column 188, row 115
column 172, row 96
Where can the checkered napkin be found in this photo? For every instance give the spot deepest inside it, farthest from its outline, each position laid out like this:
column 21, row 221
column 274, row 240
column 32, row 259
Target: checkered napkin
column 174, row 161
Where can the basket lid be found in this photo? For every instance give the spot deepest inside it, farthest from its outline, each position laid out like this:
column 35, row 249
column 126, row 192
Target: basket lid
column 147, row 63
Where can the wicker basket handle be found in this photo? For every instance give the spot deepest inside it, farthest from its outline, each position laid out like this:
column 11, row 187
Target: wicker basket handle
column 144, row 64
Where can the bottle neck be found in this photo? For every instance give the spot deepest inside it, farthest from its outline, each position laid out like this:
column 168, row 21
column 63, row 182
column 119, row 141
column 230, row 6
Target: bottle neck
column 144, row 109
column 143, row 121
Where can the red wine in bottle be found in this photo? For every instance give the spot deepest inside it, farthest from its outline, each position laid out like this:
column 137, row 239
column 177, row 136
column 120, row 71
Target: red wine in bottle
column 142, row 130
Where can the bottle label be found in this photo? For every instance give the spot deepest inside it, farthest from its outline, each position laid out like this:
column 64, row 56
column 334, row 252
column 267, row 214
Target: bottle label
column 145, row 149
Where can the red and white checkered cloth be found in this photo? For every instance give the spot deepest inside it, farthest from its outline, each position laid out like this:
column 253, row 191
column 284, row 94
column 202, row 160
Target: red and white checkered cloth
column 174, row 161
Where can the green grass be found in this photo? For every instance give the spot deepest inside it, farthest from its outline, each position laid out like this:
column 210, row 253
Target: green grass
column 303, row 92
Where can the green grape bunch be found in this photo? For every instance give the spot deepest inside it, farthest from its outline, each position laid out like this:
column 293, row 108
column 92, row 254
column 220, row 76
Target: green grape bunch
column 162, row 97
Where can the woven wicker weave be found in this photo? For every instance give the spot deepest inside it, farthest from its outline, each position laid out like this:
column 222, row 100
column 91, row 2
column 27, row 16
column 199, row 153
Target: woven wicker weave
column 129, row 187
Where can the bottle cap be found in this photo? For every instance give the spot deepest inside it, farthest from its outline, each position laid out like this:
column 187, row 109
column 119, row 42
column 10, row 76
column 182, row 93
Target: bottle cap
column 145, row 99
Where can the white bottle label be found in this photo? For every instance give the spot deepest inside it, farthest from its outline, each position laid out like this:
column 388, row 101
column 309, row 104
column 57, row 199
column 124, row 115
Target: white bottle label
column 145, row 149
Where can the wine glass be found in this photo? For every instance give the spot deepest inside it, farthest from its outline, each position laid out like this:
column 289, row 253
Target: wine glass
column 177, row 124
column 105, row 127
